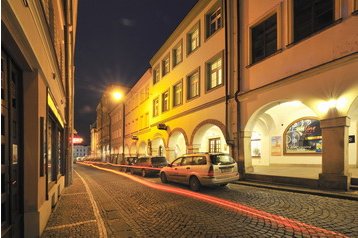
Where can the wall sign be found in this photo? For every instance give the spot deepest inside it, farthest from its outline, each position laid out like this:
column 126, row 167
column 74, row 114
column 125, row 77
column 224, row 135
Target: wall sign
column 352, row 139
column 303, row 136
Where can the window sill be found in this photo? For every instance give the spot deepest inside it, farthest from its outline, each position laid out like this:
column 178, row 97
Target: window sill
column 213, row 89
column 192, row 98
column 263, row 59
column 191, row 52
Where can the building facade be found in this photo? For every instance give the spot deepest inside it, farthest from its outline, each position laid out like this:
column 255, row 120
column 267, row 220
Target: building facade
column 272, row 83
column 182, row 104
column 80, row 151
column 298, row 91
column 37, row 78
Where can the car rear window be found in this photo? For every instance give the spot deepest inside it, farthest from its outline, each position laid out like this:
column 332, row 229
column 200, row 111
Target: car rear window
column 159, row 160
column 221, row 159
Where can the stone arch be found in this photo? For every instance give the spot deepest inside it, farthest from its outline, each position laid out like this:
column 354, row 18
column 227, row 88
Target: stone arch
column 181, row 130
column 212, row 122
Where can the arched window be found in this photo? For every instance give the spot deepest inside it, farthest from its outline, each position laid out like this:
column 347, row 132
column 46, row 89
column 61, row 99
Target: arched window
column 303, row 136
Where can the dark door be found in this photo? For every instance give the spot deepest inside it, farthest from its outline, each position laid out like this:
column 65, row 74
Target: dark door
column 11, row 149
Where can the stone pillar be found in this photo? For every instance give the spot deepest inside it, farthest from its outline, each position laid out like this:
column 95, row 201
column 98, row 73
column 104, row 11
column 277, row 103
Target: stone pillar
column 245, row 162
column 335, row 154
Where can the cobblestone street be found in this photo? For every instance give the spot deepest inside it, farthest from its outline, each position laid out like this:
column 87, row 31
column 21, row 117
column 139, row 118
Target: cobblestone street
column 103, row 204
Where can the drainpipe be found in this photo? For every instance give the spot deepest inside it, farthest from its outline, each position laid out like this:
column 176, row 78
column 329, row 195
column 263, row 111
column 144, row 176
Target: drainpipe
column 226, row 74
column 241, row 164
column 69, row 91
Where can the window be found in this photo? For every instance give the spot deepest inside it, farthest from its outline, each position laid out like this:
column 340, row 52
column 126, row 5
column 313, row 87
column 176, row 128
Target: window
column 165, row 65
column 213, row 21
column 193, row 85
column 156, row 107
column 214, row 73
column 311, row 16
column 199, row 160
column 264, row 39
column 256, row 144
column 303, row 136
column 156, row 75
column 214, row 145
column 165, row 101
column 178, row 54
column 178, row 94
column 193, row 39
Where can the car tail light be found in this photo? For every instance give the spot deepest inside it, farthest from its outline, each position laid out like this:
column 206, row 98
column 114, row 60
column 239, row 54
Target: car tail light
column 211, row 171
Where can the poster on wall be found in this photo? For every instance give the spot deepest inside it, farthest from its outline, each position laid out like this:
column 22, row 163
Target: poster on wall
column 304, row 136
column 276, row 142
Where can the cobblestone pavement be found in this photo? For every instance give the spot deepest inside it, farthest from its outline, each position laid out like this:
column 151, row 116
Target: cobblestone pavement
column 131, row 209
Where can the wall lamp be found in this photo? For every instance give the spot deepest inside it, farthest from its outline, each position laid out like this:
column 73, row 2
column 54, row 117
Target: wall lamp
column 332, row 103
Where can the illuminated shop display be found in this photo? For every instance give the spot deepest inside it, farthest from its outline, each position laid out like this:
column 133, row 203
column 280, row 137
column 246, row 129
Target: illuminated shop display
column 303, row 136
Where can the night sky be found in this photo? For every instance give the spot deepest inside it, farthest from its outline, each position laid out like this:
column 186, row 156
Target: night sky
column 115, row 41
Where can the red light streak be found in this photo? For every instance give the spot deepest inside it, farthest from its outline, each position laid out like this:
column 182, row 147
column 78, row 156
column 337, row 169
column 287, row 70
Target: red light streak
column 233, row 206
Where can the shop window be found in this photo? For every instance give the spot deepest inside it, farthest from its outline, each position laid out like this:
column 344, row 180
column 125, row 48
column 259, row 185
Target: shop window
column 214, row 145
column 256, row 144
column 311, row 16
column 303, row 136
column 214, row 73
column 264, row 39
column 213, row 21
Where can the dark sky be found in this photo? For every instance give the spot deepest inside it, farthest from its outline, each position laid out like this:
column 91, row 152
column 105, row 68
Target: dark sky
column 115, row 41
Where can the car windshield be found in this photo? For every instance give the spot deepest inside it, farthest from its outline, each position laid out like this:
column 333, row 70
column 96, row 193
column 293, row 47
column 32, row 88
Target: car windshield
column 221, row 159
column 159, row 160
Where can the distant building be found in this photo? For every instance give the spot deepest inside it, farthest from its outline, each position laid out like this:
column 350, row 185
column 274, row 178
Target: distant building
column 37, row 78
column 80, row 151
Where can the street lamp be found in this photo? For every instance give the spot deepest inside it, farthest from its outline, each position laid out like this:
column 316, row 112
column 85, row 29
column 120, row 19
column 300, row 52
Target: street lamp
column 117, row 96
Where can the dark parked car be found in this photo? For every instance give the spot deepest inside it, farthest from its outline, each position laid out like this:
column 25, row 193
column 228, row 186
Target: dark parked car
column 128, row 161
column 149, row 165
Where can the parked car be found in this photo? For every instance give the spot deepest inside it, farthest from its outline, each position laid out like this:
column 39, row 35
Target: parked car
column 201, row 169
column 147, row 163
column 128, row 161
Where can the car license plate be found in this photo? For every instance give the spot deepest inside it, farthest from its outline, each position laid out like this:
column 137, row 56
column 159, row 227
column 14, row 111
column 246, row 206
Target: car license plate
column 225, row 170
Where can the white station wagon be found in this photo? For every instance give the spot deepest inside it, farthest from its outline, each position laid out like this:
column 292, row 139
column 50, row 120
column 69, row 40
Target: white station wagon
column 199, row 169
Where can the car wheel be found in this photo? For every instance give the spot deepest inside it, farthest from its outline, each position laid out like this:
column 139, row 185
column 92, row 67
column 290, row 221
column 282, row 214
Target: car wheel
column 163, row 178
column 144, row 173
column 194, row 183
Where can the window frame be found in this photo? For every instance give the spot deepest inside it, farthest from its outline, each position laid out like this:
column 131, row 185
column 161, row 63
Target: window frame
column 163, row 62
column 217, row 6
column 189, row 38
column 188, row 98
column 174, row 93
column 208, row 74
column 311, row 21
column 215, row 140
column 174, row 54
column 163, row 101
column 156, row 74
column 251, row 42
column 154, row 106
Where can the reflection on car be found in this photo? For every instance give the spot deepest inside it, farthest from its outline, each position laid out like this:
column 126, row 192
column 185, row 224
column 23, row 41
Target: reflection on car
column 201, row 169
column 146, row 163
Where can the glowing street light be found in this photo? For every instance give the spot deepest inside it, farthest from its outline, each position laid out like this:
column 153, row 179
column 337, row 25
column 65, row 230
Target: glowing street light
column 117, row 96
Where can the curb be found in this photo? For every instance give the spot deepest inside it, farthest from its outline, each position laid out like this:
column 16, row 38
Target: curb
column 351, row 197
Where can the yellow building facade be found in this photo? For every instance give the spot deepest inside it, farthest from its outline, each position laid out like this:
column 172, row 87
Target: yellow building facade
column 37, row 78
column 181, row 104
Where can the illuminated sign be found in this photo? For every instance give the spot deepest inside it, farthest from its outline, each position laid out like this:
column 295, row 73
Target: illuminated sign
column 77, row 140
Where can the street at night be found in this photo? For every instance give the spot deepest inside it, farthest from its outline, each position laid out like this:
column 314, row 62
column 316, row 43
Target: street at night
column 128, row 208
column 179, row 118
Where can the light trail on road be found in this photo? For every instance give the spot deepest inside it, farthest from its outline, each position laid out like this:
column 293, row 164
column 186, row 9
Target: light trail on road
column 233, row 206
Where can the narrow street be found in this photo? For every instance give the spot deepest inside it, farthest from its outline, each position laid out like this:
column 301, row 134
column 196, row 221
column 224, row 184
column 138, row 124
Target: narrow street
column 104, row 204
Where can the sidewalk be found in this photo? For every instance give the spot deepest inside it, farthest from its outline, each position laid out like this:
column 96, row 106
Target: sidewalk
column 73, row 215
